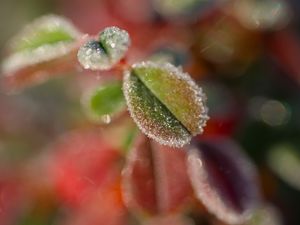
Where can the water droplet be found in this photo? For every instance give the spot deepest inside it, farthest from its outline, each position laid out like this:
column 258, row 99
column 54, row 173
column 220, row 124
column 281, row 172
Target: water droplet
column 104, row 54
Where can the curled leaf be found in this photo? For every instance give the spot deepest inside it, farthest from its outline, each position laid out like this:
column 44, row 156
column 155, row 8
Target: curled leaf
column 104, row 53
column 104, row 102
column 43, row 48
column 165, row 103
column 155, row 178
column 223, row 179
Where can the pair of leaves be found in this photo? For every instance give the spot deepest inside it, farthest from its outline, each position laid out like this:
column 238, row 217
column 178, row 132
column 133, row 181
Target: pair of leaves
column 159, row 180
column 105, row 53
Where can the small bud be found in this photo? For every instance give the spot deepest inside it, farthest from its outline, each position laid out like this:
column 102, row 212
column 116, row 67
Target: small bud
column 104, row 54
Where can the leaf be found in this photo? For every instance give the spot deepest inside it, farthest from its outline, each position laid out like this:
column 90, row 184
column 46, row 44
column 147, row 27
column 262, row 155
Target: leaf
column 265, row 215
column 284, row 160
column 165, row 103
column 82, row 163
column 224, row 180
column 105, row 53
column 46, row 30
column 252, row 14
column 104, row 102
column 105, row 205
column 155, row 179
column 44, row 48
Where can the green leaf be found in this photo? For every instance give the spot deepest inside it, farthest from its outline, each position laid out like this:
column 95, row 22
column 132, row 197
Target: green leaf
column 165, row 103
column 47, row 30
column 105, row 102
column 284, row 160
column 44, row 48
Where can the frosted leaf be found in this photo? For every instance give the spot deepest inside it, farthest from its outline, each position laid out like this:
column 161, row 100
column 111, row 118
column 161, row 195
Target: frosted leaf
column 46, row 30
column 165, row 103
column 104, row 53
column 105, row 102
column 224, row 180
column 43, row 47
column 284, row 160
column 44, row 39
column 263, row 14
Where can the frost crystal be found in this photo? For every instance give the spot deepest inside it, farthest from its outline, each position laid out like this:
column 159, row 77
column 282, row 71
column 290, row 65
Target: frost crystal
column 165, row 103
column 104, row 54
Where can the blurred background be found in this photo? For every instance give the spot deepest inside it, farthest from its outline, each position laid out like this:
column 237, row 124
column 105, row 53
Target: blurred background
column 244, row 53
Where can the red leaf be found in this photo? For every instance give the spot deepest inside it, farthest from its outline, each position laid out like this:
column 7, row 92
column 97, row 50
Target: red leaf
column 155, row 178
column 223, row 179
column 83, row 163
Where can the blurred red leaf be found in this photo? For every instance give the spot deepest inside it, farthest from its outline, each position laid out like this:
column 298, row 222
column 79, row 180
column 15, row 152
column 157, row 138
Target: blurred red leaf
column 83, row 163
column 155, row 178
column 105, row 207
column 284, row 47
